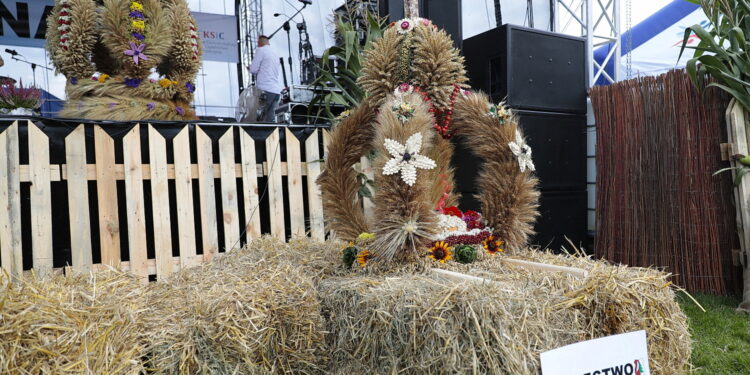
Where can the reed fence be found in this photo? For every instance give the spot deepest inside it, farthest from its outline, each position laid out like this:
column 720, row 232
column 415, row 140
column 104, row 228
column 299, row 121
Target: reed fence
column 151, row 198
column 658, row 203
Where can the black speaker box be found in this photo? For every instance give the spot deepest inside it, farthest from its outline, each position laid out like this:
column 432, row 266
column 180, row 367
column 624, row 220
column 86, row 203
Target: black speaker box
column 530, row 69
column 562, row 214
column 558, row 144
column 446, row 14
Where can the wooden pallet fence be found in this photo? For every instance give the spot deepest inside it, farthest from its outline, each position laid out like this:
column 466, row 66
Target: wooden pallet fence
column 168, row 196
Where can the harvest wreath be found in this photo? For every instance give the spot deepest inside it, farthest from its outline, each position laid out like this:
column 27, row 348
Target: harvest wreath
column 128, row 42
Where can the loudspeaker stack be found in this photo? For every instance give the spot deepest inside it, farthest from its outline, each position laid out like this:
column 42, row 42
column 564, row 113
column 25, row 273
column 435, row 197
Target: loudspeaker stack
column 542, row 77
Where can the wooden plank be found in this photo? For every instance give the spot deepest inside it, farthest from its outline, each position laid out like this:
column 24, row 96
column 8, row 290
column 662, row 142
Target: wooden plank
column 462, row 277
column 314, row 197
column 135, row 203
column 367, row 204
column 41, row 201
column 184, row 194
column 543, row 267
column 157, row 147
column 106, row 189
column 60, row 172
column 250, row 185
column 294, row 185
column 207, row 194
column 10, row 202
column 275, row 190
column 230, row 208
column 78, row 200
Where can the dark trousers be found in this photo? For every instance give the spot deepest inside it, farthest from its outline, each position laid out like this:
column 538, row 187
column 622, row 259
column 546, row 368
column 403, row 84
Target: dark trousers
column 269, row 110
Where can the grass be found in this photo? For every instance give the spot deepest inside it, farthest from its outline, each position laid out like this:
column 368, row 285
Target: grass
column 721, row 336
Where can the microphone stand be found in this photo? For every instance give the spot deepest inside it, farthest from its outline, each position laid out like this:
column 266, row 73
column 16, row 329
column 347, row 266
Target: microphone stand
column 287, row 28
column 33, row 66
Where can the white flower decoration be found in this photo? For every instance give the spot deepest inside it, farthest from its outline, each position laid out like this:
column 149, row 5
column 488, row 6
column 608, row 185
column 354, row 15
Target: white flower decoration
column 405, row 25
column 522, row 152
column 406, row 159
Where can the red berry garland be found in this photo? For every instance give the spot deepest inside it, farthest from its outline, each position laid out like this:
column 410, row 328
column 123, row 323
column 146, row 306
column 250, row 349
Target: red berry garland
column 443, row 119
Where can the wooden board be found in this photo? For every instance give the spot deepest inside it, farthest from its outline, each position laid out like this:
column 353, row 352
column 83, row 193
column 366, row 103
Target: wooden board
column 543, row 267
column 250, row 185
column 314, row 198
column 157, row 148
column 275, row 189
column 184, row 195
column 135, row 203
column 10, row 201
column 738, row 136
column 294, row 185
column 78, row 200
column 207, row 194
column 106, row 189
column 230, row 208
column 41, row 201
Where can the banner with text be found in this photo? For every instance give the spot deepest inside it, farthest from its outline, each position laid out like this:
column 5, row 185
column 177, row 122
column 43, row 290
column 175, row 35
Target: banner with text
column 625, row 354
column 219, row 35
column 23, row 24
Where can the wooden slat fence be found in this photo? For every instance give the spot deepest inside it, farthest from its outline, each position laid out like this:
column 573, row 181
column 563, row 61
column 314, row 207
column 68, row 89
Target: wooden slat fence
column 148, row 200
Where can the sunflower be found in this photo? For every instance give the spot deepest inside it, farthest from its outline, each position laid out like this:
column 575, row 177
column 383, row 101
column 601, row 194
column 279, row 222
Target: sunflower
column 441, row 252
column 493, row 245
column 363, row 257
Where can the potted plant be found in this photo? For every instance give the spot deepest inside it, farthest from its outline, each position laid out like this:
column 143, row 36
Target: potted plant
column 20, row 100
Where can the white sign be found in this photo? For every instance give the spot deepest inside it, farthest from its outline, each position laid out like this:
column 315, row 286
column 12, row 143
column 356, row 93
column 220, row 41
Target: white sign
column 625, row 354
column 219, row 35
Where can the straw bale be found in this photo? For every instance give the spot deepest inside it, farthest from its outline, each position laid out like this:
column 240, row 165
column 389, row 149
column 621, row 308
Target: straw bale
column 248, row 312
column 84, row 324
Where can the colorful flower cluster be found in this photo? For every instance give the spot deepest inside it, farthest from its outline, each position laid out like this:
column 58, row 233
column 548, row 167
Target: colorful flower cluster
column 472, row 237
column 404, row 111
column 138, row 32
column 408, row 24
column 63, row 24
column 498, row 111
column 472, row 219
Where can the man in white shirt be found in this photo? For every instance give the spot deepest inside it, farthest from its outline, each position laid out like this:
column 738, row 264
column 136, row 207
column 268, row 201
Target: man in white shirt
column 265, row 66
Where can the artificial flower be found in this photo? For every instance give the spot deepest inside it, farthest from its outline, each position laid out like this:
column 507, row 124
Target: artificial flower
column 133, row 82
column 190, row 87
column 136, row 6
column 363, row 257
column 441, row 252
column 497, row 111
column 406, row 159
column 74, row 80
column 165, row 82
column 522, row 151
column 364, row 236
column 449, row 223
column 150, row 106
column 180, row 111
column 137, row 14
column 138, row 24
column 404, row 26
column 402, row 90
column 103, row 78
column 493, row 245
column 404, row 111
column 136, row 51
column 453, row 211
column 138, row 35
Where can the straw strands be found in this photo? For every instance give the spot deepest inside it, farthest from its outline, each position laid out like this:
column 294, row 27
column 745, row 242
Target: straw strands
column 658, row 203
column 294, row 308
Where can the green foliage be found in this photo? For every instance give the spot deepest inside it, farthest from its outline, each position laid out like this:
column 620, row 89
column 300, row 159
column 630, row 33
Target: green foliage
column 466, row 254
column 721, row 336
column 350, row 54
column 723, row 52
column 348, row 256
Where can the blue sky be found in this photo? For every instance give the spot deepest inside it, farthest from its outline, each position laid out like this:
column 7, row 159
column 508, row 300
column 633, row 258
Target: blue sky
column 217, row 88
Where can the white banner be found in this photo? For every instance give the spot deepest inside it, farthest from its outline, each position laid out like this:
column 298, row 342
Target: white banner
column 219, row 35
column 625, row 354
column 23, row 23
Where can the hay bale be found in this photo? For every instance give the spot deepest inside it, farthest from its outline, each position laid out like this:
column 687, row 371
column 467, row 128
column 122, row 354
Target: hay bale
column 248, row 312
column 84, row 324
column 410, row 321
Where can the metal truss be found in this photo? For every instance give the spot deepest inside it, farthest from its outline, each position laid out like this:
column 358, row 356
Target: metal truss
column 599, row 22
column 250, row 13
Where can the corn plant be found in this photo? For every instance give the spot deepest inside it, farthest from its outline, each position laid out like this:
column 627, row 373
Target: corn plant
column 723, row 51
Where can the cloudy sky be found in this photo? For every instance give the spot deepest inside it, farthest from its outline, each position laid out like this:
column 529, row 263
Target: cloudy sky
column 217, row 87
